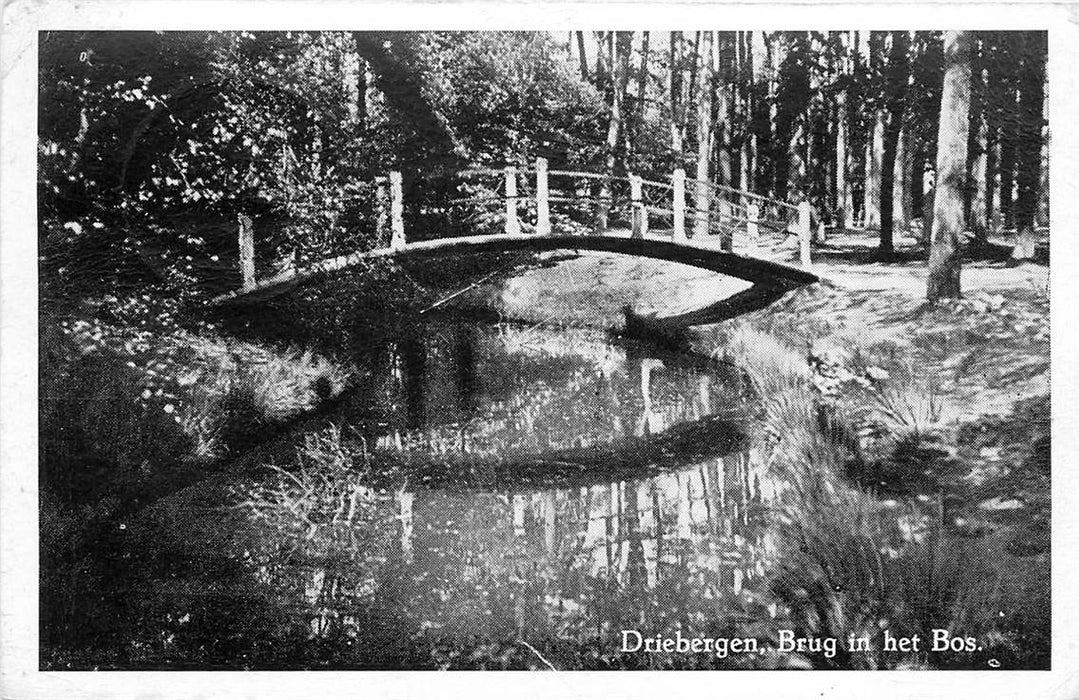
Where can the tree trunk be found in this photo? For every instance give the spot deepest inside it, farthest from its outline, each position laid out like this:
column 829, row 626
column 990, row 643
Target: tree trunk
column 1041, row 216
column 1029, row 141
column 676, row 99
column 874, row 148
column 722, row 78
column 994, row 185
column 901, row 189
column 391, row 56
column 895, row 93
column 636, row 115
column 1006, row 176
column 614, row 158
column 603, row 56
column 642, row 87
column 977, row 221
column 582, row 56
column 844, row 205
column 361, row 93
column 948, row 224
column 705, row 128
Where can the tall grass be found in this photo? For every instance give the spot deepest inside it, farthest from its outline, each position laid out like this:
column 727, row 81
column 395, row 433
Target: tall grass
column 849, row 564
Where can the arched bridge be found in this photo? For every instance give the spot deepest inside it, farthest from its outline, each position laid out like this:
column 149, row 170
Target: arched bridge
column 722, row 229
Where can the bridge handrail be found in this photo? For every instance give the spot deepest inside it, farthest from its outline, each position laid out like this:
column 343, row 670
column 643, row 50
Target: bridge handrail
column 690, row 184
column 714, row 186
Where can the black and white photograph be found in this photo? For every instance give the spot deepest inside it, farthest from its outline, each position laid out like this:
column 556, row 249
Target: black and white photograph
column 592, row 348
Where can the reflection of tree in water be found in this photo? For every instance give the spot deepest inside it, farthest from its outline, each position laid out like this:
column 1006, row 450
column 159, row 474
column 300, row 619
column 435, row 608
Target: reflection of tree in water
column 461, row 390
column 419, row 574
column 669, row 551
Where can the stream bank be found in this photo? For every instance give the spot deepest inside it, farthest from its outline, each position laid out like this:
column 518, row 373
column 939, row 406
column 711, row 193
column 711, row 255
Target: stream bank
column 871, row 492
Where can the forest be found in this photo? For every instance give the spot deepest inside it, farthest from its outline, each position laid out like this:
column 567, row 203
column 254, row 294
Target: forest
column 156, row 129
column 479, row 461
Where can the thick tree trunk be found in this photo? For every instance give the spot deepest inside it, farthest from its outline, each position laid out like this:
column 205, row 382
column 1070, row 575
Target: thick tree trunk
column 948, row 224
column 1029, row 141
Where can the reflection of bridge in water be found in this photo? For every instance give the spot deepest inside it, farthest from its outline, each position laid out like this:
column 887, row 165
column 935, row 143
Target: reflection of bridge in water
column 479, row 557
column 732, row 232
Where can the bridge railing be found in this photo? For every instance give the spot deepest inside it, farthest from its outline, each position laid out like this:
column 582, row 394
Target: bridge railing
column 540, row 201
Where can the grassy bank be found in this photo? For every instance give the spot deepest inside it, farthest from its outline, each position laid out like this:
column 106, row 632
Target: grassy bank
column 916, row 443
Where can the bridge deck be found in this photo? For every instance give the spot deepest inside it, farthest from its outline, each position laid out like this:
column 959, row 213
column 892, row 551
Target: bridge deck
column 705, row 254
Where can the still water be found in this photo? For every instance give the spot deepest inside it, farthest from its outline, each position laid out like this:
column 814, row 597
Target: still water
column 491, row 496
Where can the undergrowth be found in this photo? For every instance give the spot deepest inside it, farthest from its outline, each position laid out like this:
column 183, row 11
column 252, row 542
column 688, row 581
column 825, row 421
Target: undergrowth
column 881, row 552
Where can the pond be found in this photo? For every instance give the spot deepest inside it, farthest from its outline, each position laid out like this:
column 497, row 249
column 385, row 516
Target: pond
column 489, row 495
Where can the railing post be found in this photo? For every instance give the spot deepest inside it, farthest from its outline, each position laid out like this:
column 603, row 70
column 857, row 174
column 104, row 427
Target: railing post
column 513, row 226
column 247, row 251
column 640, row 214
column 753, row 214
column 397, row 209
column 726, row 230
column 543, row 201
column 804, row 233
column 679, row 205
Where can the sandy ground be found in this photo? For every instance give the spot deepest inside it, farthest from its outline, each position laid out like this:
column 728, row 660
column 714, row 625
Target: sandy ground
column 592, row 288
column 981, row 354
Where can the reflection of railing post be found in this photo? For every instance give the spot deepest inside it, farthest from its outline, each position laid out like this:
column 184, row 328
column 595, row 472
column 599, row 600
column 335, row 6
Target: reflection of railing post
column 247, row 251
column 404, row 505
column 397, row 209
column 804, row 233
column 640, row 214
column 679, row 182
column 513, row 226
column 753, row 213
column 543, row 205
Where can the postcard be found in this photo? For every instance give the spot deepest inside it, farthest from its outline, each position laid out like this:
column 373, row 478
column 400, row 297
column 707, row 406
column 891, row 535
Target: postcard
column 348, row 341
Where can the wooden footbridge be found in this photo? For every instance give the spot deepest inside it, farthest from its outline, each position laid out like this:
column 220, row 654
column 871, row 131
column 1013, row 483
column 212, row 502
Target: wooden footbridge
column 683, row 220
